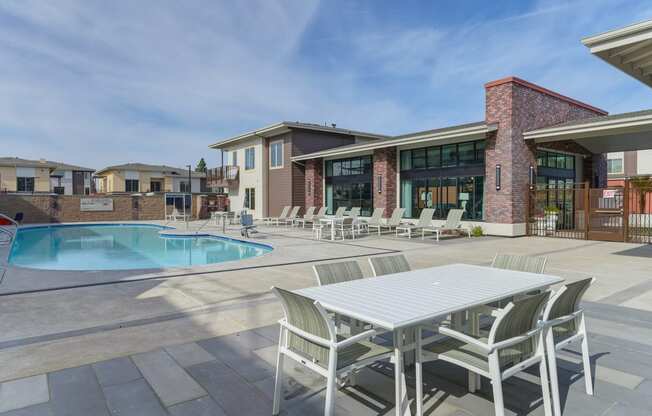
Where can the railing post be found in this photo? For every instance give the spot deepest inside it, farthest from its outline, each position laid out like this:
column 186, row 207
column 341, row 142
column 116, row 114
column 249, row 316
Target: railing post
column 587, row 208
column 626, row 211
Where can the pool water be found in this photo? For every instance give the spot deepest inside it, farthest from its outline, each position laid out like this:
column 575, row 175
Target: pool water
column 121, row 247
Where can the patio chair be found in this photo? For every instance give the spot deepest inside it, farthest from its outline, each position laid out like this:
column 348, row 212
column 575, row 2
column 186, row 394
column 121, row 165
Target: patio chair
column 374, row 220
column 309, row 337
column 307, row 217
column 291, row 216
column 393, row 221
column 338, row 272
column 354, row 212
column 281, row 217
column 515, row 343
column 339, row 213
column 425, row 221
column 247, row 225
column 347, row 226
column 565, row 324
column 453, row 224
column 382, row 265
column 178, row 216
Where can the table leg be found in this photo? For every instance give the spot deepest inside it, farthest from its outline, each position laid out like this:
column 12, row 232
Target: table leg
column 458, row 324
column 333, row 231
column 402, row 403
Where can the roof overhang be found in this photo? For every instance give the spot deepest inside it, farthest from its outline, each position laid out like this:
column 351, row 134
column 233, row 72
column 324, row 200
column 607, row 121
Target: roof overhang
column 448, row 135
column 617, row 134
column 628, row 49
column 286, row 126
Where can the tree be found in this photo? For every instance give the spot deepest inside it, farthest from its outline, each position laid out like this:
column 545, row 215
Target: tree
column 201, row 166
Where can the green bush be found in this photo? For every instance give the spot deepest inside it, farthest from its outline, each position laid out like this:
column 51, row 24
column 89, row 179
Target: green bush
column 477, row 231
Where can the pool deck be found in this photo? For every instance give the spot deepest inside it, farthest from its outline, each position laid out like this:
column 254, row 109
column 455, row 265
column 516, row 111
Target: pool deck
column 184, row 342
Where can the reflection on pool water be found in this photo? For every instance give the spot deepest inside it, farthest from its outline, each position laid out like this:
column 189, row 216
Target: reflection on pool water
column 121, row 247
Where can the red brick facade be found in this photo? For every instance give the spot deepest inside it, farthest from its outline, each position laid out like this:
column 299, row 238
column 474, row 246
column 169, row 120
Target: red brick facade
column 517, row 106
column 384, row 162
column 314, row 181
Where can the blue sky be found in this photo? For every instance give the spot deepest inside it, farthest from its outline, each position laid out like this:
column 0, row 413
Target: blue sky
column 98, row 83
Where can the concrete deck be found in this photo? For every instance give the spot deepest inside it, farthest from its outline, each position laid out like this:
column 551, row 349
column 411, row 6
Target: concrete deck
column 203, row 340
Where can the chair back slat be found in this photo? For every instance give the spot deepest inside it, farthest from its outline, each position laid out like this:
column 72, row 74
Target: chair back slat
column 301, row 312
column 321, row 212
column 425, row 219
column 519, row 317
column 354, row 212
column 285, row 211
column 340, row 212
column 330, row 273
column 294, row 212
column 528, row 264
column 454, row 219
column 389, row 264
column 568, row 300
column 376, row 216
column 395, row 219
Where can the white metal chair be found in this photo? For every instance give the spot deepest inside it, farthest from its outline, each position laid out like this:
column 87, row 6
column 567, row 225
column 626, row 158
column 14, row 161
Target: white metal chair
column 374, row 220
column 310, row 217
column 453, row 224
column 309, row 337
column 347, row 226
column 289, row 220
column 393, row 221
column 564, row 324
column 515, row 343
column 281, row 217
column 425, row 221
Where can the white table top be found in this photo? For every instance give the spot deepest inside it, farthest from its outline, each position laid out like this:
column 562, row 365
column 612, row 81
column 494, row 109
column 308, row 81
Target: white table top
column 404, row 299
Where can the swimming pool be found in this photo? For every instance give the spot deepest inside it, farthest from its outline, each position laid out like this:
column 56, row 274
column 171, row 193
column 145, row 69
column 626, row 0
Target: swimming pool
column 122, row 247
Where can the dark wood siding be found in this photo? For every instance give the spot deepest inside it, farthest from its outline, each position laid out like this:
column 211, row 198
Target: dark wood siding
column 279, row 180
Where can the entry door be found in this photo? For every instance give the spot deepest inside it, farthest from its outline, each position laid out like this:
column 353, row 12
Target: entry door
column 606, row 214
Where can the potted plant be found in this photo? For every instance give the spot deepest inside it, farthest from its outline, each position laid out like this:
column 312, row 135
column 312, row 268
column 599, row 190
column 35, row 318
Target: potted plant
column 551, row 216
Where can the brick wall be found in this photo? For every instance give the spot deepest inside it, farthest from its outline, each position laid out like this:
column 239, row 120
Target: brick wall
column 60, row 208
column 314, row 180
column 384, row 161
column 518, row 106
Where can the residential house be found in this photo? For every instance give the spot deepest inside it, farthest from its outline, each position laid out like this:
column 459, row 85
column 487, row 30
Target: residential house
column 44, row 176
column 140, row 177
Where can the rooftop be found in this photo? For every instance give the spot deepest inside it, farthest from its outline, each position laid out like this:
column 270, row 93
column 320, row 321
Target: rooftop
column 286, row 126
column 142, row 167
column 42, row 163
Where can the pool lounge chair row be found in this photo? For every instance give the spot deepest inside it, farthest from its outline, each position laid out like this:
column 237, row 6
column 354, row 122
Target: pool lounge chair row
column 525, row 333
column 424, row 225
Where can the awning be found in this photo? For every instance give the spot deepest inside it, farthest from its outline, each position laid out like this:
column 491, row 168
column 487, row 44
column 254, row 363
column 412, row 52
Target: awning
column 616, row 133
column 628, row 49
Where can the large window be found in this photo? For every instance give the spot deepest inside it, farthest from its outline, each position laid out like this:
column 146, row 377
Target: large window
column 250, row 158
column 155, row 186
column 348, row 184
column 25, row 184
column 554, row 160
column 446, row 156
column 276, row 154
column 131, row 185
column 615, row 163
column 250, row 198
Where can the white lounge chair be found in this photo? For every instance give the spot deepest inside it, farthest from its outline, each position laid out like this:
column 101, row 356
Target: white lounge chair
column 453, row 224
column 293, row 215
column 374, row 220
column 339, row 213
column 564, row 324
column 178, row 216
column 310, row 213
column 309, row 337
column 393, row 221
column 425, row 221
column 281, row 217
column 515, row 343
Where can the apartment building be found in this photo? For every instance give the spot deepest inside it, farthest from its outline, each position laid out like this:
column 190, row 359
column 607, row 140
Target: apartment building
column 143, row 178
column 621, row 165
column 44, row 176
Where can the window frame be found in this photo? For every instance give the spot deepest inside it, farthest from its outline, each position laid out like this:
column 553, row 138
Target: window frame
column 131, row 181
column 250, row 150
column 26, row 180
column 249, row 198
column 272, row 144
column 622, row 166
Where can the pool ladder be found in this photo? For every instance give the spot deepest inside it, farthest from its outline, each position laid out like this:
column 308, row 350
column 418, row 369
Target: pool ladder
column 7, row 231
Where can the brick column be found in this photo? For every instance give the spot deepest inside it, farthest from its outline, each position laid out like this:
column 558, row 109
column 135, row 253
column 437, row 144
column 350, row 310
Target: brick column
column 314, row 180
column 384, row 161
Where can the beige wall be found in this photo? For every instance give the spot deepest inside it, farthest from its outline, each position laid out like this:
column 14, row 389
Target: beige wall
column 8, row 179
column 115, row 181
column 42, row 180
column 253, row 178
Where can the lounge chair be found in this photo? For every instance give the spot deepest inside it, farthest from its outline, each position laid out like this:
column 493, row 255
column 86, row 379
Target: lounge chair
column 277, row 220
column 307, row 217
column 308, row 336
column 339, row 213
column 425, row 221
column 381, row 265
column 374, row 220
column 314, row 220
column 289, row 220
column 453, row 224
column 354, row 212
column 177, row 216
column 393, row 221
column 515, row 343
column 564, row 324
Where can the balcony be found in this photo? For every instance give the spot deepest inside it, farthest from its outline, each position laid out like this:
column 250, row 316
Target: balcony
column 222, row 177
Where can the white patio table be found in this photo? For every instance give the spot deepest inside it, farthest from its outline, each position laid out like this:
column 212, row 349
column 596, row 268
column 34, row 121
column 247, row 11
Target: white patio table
column 396, row 302
column 332, row 221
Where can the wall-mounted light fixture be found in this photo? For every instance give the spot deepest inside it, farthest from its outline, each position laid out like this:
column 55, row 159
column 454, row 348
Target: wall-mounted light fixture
column 379, row 183
column 531, row 177
column 497, row 177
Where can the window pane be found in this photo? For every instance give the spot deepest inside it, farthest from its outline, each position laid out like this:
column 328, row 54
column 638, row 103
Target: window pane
column 434, row 157
column 366, row 163
column 329, row 168
column 356, row 167
column 449, row 155
column 337, row 168
column 479, row 151
column 406, row 197
column 346, row 167
column 541, row 159
column 406, row 160
column 418, row 158
column 466, row 153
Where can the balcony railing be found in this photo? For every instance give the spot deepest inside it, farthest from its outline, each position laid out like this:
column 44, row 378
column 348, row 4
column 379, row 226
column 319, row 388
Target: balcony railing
column 223, row 176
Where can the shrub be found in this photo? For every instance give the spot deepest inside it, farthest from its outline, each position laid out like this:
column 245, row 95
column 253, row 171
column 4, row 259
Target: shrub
column 477, row 231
